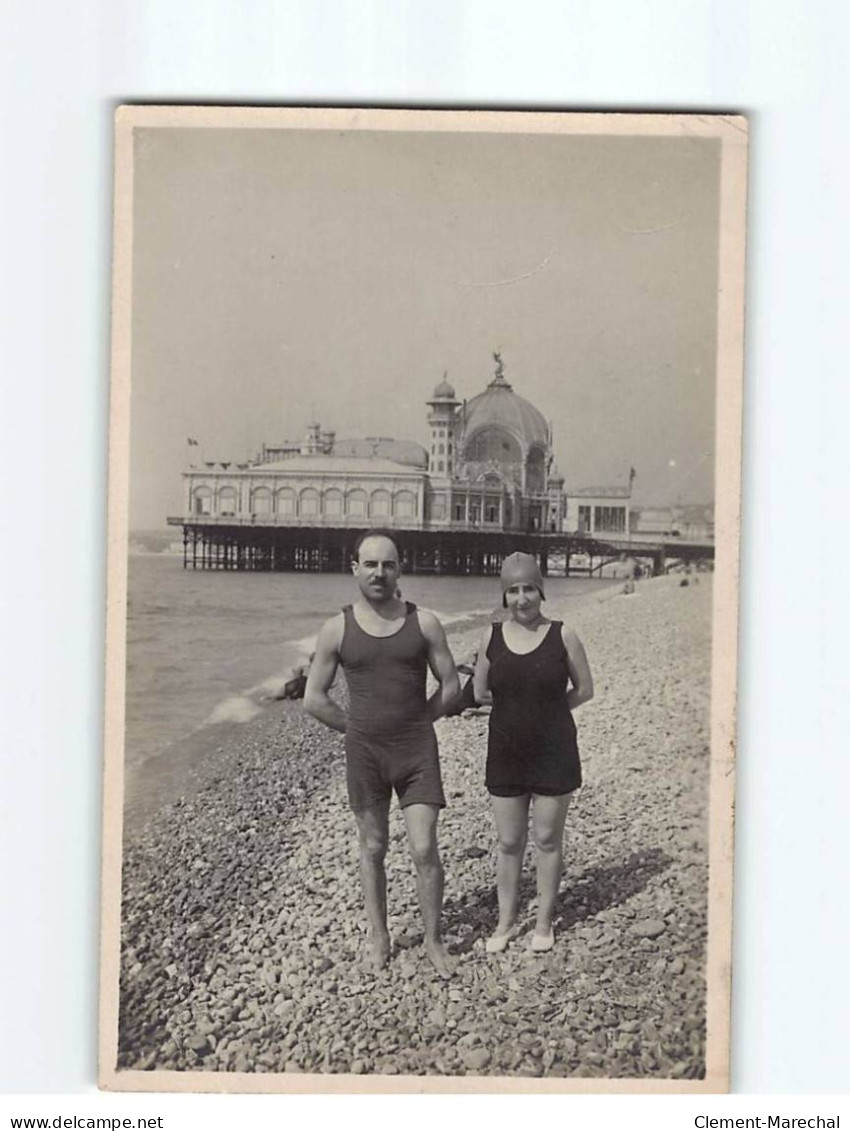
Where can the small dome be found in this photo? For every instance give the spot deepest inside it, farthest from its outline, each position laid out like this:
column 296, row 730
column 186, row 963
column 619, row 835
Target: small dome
column 444, row 391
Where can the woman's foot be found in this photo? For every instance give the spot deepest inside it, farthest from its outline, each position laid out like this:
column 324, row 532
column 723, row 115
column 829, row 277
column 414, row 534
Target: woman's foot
column 499, row 940
column 543, row 939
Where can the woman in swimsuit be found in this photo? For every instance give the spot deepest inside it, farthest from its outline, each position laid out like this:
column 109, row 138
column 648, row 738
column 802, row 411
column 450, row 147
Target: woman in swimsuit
column 525, row 667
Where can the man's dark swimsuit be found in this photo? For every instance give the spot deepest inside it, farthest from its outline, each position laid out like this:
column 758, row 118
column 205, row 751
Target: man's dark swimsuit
column 389, row 741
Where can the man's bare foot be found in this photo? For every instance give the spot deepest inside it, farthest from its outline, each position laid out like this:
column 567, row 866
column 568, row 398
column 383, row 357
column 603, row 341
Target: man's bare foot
column 440, row 958
column 378, row 952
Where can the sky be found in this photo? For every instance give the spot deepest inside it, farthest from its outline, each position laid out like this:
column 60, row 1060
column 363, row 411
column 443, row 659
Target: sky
column 283, row 276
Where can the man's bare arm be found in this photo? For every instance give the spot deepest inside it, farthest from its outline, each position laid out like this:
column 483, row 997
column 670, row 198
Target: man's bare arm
column 317, row 701
column 441, row 664
column 481, row 678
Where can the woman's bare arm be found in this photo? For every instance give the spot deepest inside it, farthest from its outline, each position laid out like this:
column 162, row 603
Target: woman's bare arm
column 579, row 669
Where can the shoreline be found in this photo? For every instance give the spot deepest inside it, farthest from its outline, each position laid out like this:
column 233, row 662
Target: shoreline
column 242, row 915
column 178, row 767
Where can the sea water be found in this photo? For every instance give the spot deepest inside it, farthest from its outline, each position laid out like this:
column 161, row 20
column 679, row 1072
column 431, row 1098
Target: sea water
column 204, row 646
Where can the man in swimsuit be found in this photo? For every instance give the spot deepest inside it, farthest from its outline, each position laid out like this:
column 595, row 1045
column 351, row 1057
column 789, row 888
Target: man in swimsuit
column 385, row 646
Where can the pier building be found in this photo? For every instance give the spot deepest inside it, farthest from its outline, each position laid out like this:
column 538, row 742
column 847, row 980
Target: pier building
column 486, row 482
column 490, row 467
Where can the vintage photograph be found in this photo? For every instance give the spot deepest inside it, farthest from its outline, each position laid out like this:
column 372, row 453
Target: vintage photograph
column 422, row 600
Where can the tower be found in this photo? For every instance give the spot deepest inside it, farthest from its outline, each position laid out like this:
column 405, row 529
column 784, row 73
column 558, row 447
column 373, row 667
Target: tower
column 442, row 422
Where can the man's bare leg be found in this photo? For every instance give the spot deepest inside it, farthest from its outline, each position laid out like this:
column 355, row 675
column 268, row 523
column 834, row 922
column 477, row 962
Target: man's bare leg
column 421, row 824
column 373, row 835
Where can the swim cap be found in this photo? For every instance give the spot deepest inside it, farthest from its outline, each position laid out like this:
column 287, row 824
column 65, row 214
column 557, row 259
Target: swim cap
column 521, row 567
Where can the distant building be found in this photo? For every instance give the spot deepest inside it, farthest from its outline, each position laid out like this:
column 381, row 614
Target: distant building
column 490, row 466
column 695, row 522
column 599, row 511
column 691, row 522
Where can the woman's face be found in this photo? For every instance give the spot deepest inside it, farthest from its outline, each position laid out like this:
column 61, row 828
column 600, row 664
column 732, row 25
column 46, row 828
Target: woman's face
column 523, row 601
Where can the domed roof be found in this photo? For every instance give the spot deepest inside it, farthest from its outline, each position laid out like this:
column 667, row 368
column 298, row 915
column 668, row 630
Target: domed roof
column 383, row 447
column 444, row 391
column 500, row 406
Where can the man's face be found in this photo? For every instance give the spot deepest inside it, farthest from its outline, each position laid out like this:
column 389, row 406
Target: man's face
column 377, row 569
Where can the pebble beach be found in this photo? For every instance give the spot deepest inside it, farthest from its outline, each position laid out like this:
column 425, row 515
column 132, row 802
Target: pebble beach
column 242, row 923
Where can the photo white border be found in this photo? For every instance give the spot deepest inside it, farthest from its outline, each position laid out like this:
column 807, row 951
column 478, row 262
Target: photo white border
column 732, row 132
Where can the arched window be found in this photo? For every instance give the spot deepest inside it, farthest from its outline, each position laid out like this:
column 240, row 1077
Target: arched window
column 404, row 504
column 202, row 501
column 308, row 503
column 379, row 504
column 227, row 501
column 355, row 503
column 261, row 501
column 285, row 500
column 332, row 503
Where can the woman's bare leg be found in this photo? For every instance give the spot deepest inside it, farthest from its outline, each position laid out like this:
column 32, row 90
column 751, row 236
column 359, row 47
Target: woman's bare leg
column 511, row 815
column 548, row 816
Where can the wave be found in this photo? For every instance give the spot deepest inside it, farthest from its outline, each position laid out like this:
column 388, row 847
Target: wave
column 247, row 705
column 235, row 709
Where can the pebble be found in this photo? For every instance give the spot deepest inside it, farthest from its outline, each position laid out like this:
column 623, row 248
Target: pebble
column 649, row 928
column 476, row 1059
column 243, row 920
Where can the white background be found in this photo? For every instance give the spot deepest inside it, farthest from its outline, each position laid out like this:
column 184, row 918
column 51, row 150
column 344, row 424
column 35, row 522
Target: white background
column 64, row 68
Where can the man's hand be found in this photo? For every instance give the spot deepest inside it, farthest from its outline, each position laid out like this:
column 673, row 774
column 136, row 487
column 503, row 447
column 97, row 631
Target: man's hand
column 441, row 664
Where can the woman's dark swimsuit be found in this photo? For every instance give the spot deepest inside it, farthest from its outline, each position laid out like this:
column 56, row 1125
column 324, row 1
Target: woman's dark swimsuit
column 532, row 746
column 389, row 741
